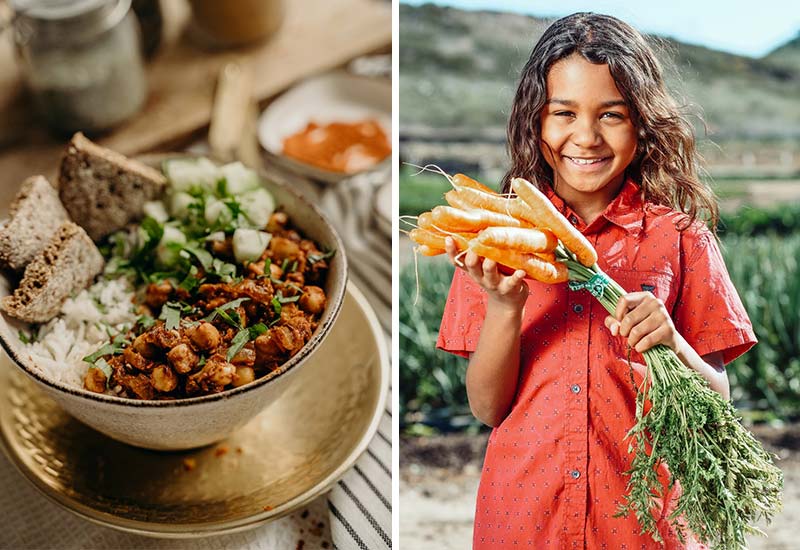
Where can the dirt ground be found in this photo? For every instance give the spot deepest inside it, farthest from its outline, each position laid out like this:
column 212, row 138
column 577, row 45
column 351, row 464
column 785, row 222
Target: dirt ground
column 439, row 481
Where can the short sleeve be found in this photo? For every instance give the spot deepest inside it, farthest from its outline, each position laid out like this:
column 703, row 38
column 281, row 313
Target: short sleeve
column 463, row 316
column 708, row 312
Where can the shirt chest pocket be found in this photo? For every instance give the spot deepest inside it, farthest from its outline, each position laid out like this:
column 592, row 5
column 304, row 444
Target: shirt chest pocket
column 660, row 284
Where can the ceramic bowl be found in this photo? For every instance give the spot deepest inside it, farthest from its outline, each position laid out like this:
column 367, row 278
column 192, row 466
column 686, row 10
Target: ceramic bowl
column 196, row 421
column 333, row 97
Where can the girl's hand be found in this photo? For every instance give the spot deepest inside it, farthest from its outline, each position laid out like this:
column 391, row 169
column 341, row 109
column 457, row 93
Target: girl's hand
column 509, row 291
column 644, row 320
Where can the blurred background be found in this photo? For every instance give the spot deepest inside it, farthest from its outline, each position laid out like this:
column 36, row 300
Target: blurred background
column 736, row 66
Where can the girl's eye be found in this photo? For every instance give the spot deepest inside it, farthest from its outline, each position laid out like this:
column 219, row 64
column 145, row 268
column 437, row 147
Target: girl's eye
column 612, row 114
column 563, row 113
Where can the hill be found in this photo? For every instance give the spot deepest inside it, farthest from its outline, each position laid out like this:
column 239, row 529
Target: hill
column 459, row 70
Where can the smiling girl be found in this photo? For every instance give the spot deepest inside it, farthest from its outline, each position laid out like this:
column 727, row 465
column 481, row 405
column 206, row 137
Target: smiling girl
column 594, row 128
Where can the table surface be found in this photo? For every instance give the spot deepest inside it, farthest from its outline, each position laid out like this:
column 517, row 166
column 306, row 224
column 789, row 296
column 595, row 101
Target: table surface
column 315, row 36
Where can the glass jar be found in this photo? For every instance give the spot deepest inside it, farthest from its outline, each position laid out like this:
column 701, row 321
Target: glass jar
column 236, row 22
column 81, row 60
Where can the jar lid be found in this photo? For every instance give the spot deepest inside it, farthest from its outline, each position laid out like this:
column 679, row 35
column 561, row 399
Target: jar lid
column 56, row 9
column 73, row 20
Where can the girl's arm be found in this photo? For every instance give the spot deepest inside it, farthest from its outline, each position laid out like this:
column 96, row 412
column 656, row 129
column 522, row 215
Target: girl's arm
column 644, row 320
column 493, row 371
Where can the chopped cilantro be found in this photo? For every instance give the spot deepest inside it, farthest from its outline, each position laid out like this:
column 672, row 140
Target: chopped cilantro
column 242, row 337
column 113, row 348
column 314, row 258
column 171, row 314
column 223, row 270
column 287, row 299
column 238, row 342
column 203, row 256
column 222, row 187
column 103, row 365
column 191, row 281
column 99, row 305
column 222, row 311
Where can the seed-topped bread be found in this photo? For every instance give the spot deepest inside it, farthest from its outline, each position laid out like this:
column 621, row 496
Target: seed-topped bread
column 103, row 190
column 67, row 265
column 34, row 217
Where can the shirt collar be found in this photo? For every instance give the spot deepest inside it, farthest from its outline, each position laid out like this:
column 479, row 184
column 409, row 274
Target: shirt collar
column 625, row 211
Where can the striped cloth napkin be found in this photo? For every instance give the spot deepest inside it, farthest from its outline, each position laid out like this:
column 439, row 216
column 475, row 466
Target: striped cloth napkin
column 360, row 504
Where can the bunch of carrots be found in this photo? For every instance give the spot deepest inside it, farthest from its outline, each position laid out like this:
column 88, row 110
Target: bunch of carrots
column 520, row 233
column 728, row 480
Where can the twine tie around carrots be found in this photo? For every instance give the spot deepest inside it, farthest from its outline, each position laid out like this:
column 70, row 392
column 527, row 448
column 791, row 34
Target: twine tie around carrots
column 596, row 285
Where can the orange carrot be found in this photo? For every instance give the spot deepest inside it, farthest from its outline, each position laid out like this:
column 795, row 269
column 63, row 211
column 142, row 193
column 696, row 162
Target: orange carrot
column 544, row 214
column 520, row 239
column 425, row 221
column 435, row 239
column 535, row 267
column 460, row 180
column 428, row 251
column 456, row 220
column 468, row 198
column 456, row 200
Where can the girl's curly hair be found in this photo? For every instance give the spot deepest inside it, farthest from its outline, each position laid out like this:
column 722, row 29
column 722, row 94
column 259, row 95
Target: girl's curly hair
column 666, row 162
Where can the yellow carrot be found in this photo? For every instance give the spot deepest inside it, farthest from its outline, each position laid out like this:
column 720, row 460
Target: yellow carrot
column 544, row 214
column 535, row 267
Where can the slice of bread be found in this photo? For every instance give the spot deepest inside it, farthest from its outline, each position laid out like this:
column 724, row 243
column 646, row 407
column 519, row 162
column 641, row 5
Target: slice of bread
column 34, row 217
column 103, row 190
column 66, row 266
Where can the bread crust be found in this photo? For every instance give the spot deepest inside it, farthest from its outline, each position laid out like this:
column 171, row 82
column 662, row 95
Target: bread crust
column 34, row 217
column 66, row 266
column 103, row 190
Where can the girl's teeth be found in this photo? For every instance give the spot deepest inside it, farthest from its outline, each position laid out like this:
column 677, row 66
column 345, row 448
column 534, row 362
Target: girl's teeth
column 584, row 161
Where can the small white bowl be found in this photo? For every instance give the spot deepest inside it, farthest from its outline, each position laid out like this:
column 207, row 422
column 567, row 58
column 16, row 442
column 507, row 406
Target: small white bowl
column 333, row 97
column 195, row 421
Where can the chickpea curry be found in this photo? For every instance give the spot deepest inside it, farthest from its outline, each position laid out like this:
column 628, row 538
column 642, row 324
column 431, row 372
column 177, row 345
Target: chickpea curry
column 223, row 300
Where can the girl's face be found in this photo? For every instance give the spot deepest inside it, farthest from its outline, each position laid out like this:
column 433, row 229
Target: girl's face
column 587, row 135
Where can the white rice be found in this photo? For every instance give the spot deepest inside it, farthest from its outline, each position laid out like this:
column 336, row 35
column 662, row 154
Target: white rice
column 83, row 326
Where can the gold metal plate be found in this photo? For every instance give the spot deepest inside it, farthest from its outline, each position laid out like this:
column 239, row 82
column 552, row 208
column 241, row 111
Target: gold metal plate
column 289, row 454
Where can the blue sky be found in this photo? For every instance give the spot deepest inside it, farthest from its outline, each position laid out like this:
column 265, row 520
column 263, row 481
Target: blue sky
column 745, row 27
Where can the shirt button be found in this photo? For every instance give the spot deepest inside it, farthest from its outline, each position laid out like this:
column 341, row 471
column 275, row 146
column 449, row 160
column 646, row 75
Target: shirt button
column 577, row 308
column 576, row 388
column 573, row 219
column 575, row 474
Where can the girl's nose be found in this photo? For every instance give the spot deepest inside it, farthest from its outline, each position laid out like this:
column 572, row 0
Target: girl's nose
column 585, row 133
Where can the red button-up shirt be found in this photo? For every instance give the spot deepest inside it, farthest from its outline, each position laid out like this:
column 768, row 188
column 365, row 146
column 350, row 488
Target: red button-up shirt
column 554, row 473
